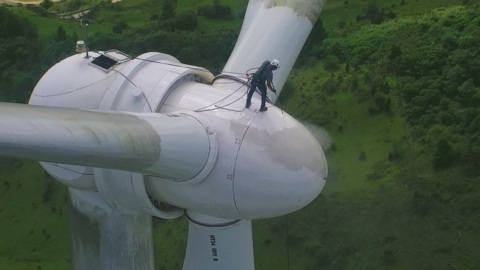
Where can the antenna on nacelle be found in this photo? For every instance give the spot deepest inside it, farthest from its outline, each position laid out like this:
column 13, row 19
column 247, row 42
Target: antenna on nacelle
column 82, row 46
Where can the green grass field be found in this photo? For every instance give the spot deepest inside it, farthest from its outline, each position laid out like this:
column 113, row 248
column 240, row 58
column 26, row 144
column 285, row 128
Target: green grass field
column 33, row 214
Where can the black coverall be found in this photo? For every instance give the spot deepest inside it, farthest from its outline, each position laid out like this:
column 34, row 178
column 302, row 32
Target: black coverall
column 263, row 74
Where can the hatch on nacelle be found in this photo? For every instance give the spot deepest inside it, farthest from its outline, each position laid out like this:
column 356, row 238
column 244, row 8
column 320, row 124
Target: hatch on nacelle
column 109, row 59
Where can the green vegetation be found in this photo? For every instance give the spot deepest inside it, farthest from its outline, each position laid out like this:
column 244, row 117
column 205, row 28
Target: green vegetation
column 395, row 83
column 19, row 50
column 216, row 11
column 34, row 218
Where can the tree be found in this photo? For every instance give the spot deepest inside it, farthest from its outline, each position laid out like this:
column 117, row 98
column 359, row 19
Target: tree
column 329, row 87
column 318, row 34
column 168, row 11
column 395, row 52
column 449, row 42
column 119, row 27
column 376, row 15
column 443, row 156
column 74, row 36
column 331, row 63
column 19, row 53
column 362, row 156
column 61, row 34
column 466, row 91
column 12, row 25
column 46, row 4
column 216, row 11
column 372, row 11
column 184, row 21
column 154, row 17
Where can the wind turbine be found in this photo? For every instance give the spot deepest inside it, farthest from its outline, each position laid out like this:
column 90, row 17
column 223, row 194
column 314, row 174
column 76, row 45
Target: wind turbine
column 148, row 136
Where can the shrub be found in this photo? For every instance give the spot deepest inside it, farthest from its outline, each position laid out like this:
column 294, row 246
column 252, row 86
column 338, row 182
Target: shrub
column 396, row 153
column 449, row 42
column 185, row 21
column 329, row 87
column 331, row 63
column 119, row 27
column 61, row 34
column 47, row 189
column 46, row 4
column 362, row 156
column 443, row 156
column 168, row 10
column 215, row 11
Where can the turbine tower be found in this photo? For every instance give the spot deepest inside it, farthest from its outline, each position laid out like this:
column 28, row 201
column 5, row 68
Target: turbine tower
column 149, row 136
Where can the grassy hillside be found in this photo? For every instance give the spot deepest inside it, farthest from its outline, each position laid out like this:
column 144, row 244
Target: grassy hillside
column 388, row 94
column 341, row 10
column 33, row 214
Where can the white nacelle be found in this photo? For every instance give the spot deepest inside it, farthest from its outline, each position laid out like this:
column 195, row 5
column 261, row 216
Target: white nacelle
column 138, row 85
column 261, row 164
column 268, row 164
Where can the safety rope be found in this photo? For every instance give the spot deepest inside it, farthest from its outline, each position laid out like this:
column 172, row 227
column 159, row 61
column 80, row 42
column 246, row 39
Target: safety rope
column 233, row 78
column 222, row 75
column 192, row 67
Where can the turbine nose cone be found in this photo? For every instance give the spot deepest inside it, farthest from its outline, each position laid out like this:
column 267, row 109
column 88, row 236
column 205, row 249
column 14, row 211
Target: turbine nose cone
column 280, row 167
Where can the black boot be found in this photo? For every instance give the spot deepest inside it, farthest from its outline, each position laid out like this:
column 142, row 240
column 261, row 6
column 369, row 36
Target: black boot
column 247, row 105
column 263, row 109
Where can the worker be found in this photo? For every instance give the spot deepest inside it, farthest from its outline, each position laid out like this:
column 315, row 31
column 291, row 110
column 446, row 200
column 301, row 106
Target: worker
column 263, row 79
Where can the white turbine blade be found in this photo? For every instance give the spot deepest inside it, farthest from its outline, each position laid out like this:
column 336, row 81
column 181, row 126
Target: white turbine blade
column 226, row 247
column 152, row 144
column 273, row 29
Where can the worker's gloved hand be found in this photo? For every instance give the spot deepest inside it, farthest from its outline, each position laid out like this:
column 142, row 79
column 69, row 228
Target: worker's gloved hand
column 274, row 90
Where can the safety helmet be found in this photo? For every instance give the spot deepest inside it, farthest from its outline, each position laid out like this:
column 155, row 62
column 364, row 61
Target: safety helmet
column 276, row 63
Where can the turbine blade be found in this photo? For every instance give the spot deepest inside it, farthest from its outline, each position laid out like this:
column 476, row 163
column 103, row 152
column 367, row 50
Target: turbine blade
column 273, row 29
column 220, row 247
column 152, row 144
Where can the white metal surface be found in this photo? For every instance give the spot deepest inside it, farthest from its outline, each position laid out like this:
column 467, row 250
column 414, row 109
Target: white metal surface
column 273, row 29
column 73, row 83
column 106, row 239
column 77, row 177
column 154, row 76
column 216, row 244
column 174, row 147
column 280, row 167
column 213, row 195
column 125, row 192
column 268, row 164
column 76, row 83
